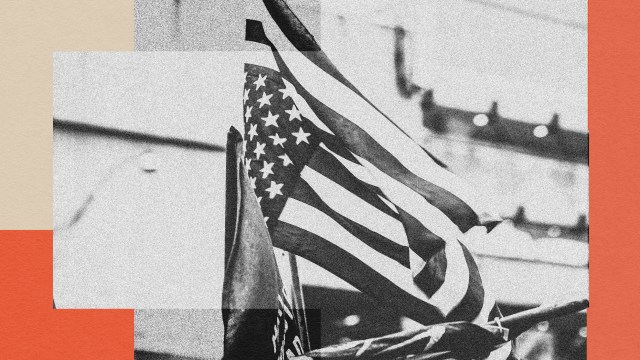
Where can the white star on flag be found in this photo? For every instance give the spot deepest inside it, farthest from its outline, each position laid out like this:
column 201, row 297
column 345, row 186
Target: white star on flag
column 259, row 150
column 288, row 91
column 301, row 136
column 264, row 99
column 252, row 181
column 245, row 97
column 247, row 163
column 277, row 140
column 270, row 120
column 247, row 114
column 294, row 113
column 252, row 131
column 260, row 81
column 274, row 189
column 266, row 169
column 285, row 160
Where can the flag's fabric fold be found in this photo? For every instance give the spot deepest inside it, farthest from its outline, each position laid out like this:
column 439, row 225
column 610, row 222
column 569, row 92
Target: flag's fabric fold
column 258, row 320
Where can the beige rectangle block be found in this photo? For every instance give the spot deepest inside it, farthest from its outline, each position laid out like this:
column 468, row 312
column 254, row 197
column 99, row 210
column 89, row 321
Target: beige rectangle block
column 32, row 30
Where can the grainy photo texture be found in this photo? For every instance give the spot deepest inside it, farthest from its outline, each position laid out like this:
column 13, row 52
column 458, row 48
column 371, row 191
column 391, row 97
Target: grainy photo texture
column 330, row 179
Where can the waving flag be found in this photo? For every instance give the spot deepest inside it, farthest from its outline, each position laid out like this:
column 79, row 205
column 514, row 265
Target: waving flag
column 341, row 185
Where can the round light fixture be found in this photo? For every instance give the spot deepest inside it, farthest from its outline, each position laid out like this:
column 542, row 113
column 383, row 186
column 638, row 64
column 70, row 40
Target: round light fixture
column 541, row 131
column 583, row 332
column 480, row 120
column 351, row 320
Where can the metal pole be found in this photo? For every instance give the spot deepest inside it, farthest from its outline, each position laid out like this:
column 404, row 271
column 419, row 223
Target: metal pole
column 298, row 303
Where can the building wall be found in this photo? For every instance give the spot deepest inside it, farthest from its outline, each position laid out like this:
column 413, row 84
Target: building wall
column 137, row 225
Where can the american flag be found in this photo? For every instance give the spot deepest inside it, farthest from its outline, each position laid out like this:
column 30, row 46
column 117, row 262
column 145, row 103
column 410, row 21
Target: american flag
column 341, row 185
column 259, row 321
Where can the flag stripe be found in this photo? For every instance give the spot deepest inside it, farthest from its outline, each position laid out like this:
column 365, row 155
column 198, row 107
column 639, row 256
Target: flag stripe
column 359, row 274
column 298, row 213
column 403, row 197
column 306, row 111
column 299, row 37
column 261, row 58
column 306, row 194
column 335, row 145
column 428, row 257
column 487, row 306
column 452, row 291
column 402, row 193
column 473, row 299
column 358, row 171
column 328, row 165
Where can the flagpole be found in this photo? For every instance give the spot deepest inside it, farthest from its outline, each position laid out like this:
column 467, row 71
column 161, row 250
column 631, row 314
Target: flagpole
column 519, row 322
column 298, row 303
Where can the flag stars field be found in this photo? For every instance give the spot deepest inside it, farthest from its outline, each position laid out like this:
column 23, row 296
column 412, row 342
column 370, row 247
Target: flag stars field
column 270, row 130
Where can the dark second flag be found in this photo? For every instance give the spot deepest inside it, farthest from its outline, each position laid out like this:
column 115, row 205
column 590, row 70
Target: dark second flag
column 258, row 320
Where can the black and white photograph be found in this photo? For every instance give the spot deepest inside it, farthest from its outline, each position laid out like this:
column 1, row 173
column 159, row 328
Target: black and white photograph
column 289, row 179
